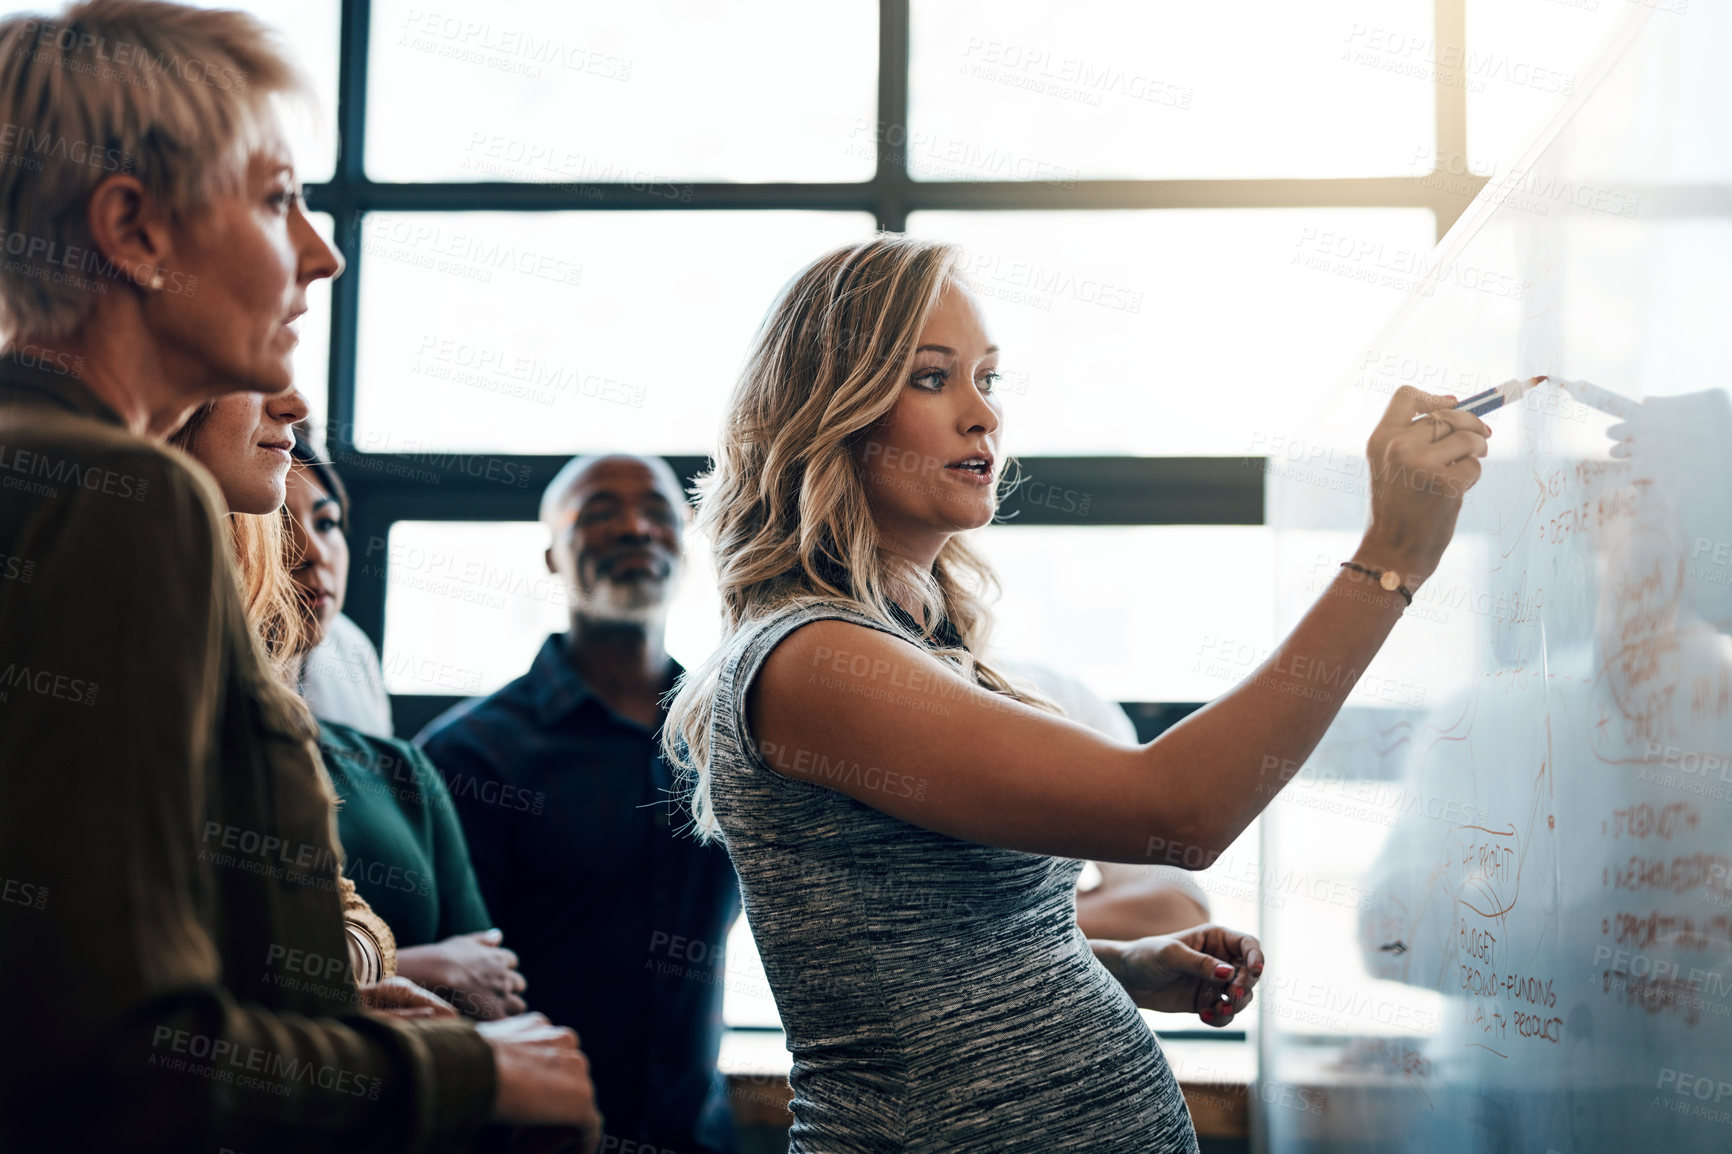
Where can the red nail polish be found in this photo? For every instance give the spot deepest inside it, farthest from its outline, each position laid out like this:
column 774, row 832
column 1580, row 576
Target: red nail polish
column 1223, row 971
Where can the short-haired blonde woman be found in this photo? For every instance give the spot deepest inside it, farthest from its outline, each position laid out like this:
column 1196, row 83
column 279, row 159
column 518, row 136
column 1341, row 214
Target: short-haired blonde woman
column 936, row 991
column 179, row 969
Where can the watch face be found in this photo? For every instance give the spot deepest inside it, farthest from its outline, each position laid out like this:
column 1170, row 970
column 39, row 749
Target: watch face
column 1389, row 580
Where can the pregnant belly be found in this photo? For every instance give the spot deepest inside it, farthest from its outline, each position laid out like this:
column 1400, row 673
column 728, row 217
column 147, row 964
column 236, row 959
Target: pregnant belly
column 1072, row 1070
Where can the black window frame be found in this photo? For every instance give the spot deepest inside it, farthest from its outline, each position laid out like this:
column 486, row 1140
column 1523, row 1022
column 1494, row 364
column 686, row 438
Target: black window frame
column 1123, row 490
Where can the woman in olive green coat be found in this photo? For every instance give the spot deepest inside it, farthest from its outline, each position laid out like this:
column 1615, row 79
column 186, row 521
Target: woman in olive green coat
column 181, row 965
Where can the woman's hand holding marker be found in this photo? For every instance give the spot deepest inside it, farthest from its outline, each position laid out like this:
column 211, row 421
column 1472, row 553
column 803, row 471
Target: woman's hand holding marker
column 1424, row 457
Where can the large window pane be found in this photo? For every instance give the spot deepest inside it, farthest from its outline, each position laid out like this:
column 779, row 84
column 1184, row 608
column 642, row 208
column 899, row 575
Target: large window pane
column 1023, row 89
column 1187, row 333
column 1137, row 613
column 1530, row 58
column 1131, row 611
column 654, row 92
column 1526, row 59
column 467, row 603
column 566, row 332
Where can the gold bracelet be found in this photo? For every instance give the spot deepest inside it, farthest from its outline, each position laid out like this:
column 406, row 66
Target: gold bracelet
column 1389, row 579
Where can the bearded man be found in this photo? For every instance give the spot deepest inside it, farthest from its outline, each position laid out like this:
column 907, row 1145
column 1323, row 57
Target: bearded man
column 618, row 917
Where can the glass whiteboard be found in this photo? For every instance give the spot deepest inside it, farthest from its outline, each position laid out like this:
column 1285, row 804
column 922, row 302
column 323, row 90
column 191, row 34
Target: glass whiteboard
column 1498, row 899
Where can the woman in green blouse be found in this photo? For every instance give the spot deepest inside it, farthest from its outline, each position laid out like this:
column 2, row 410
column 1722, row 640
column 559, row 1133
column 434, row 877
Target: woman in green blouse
column 402, row 845
column 397, row 822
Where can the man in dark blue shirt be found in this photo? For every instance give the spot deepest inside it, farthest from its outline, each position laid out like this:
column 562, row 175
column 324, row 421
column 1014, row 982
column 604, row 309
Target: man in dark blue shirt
column 618, row 917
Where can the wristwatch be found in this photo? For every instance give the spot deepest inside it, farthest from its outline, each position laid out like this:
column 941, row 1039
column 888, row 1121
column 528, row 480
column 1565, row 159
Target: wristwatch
column 1389, row 579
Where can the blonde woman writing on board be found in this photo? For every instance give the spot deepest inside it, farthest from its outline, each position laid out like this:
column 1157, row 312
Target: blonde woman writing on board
column 906, row 822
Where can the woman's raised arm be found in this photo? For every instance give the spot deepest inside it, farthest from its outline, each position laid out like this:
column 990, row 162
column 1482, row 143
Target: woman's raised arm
column 881, row 720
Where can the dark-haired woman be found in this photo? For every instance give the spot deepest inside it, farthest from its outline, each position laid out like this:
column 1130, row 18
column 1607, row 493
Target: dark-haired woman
column 398, row 825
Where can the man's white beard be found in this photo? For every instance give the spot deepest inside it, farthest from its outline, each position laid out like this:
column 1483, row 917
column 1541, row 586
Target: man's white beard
column 623, row 602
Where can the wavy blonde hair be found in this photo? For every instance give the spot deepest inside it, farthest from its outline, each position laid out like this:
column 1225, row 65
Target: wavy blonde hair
column 785, row 502
column 276, row 615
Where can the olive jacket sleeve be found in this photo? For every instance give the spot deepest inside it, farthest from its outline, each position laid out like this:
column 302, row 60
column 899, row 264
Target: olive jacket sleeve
column 156, row 955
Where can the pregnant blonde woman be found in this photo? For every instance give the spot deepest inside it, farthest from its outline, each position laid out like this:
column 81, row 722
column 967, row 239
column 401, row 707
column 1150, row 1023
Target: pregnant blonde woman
column 908, row 822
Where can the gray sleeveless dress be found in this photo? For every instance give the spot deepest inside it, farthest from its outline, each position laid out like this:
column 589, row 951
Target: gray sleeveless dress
column 937, row 994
